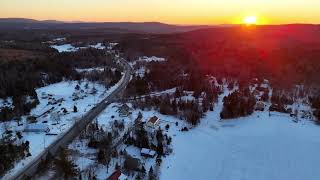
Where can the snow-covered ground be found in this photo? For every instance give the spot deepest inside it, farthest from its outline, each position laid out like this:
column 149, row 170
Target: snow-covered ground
column 85, row 157
column 98, row 46
column 152, row 59
column 6, row 103
column 58, row 101
column 71, row 48
column 139, row 65
column 64, row 48
column 147, row 60
column 56, row 40
column 88, row 70
column 257, row 147
column 261, row 146
column 141, row 71
column 59, row 39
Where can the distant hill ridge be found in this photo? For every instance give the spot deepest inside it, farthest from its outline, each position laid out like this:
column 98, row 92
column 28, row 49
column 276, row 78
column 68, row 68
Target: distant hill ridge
column 143, row 27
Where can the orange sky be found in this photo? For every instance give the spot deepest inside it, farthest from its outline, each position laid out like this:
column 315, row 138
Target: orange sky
column 167, row 11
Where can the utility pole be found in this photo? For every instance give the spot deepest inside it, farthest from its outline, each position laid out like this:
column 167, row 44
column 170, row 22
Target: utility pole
column 44, row 142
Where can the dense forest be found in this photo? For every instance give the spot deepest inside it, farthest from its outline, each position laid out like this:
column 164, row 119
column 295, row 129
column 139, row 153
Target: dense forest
column 286, row 54
column 19, row 77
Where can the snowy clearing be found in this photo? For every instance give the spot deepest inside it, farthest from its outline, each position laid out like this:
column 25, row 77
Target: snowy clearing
column 152, row 59
column 71, row 48
column 88, row 70
column 148, row 60
column 64, row 48
column 257, row 147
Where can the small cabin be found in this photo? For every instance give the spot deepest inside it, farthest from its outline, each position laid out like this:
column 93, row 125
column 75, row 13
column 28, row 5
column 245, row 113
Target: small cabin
column 153, row 122
column 148, row 153
column 36, row 128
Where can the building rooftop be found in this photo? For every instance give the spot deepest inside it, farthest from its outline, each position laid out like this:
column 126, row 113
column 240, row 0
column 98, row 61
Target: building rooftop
column 148, row 152
column 153, row 120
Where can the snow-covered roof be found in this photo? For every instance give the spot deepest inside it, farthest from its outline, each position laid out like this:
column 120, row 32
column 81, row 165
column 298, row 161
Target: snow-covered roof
column 36, row 127
column 123, row 177
column 153, row 120
column 148, row 151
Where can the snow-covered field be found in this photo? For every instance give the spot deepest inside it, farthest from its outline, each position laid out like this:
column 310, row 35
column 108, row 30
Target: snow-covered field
column 57, row 113
column 257, row 147
column 64, row 48
column 71, row 48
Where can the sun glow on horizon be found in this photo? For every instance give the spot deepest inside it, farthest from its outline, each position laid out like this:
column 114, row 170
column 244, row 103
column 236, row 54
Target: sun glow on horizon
column 181, row 12
column 250, row 20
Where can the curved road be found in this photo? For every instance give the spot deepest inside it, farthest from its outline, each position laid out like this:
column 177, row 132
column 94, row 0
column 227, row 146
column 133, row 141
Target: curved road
column 30, row 169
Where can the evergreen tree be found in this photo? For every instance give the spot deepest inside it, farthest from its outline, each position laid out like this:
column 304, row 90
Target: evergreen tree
column 142, row 140
column 75, row 109
column 65, row 166
column 151, row 174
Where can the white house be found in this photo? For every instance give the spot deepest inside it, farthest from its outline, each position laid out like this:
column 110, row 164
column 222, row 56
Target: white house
column 36, row 128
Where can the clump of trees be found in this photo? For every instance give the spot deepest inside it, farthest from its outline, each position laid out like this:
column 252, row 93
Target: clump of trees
column 131, row 164
column 65, row 166
column 141, row 137
column 21, row 105
column 10, row 153
column 191, row 111
column 315, row 103
column 237, row 104
column 174, row 104
column 105, row 149
column 279, row 101
column 280, row 98
column 138, row 86
column 108, row 76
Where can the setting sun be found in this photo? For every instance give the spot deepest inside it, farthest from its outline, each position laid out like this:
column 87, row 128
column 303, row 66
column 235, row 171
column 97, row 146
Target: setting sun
column 249, row 20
